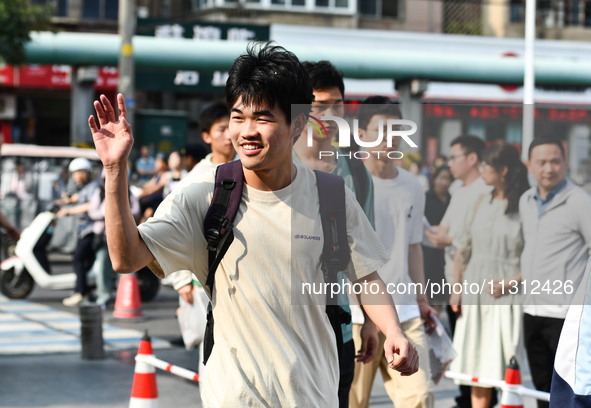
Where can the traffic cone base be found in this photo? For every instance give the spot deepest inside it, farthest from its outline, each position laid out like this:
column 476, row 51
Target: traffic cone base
column 510, row 398
column 144, row 385
column 128, row 303
column 142, row 403
column 144, row 392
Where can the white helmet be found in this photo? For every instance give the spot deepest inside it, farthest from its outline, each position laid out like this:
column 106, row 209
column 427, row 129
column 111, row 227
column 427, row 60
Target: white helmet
column 80, row 163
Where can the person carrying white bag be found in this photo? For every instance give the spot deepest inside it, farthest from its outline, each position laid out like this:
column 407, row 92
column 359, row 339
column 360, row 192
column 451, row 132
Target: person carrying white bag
column 192, row 314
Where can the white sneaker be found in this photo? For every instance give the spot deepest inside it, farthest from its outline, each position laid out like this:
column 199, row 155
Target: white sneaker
column 74, row 300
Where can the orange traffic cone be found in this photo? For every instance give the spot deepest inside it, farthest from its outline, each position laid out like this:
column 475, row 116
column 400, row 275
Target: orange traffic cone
column 144, row 393
column 509, row 398
column 128, row 303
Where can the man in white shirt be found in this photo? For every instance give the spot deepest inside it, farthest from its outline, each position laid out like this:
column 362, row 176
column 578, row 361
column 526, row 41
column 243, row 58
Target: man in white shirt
column 463, row 162
column 214, row 131
column 260, row 357
column 328, row 88
column 557, row 234
column 399, row 204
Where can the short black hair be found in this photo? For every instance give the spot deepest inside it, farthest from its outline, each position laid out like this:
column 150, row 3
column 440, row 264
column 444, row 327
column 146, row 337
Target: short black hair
column 546, row 139
column 367, row 110
column 269, row 75
column 324, row 75
column 197, row 151
column 211, row 114
column 470, row 144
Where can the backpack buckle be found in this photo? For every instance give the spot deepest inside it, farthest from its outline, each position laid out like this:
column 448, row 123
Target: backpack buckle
column 213, row 235
column 213, row 238
column 228, row 184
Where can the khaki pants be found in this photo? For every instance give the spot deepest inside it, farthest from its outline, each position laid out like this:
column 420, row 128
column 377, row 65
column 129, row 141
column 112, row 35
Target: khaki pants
column 405, row 392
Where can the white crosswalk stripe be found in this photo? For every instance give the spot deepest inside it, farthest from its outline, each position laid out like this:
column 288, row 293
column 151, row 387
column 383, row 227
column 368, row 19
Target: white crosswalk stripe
column 31, row 328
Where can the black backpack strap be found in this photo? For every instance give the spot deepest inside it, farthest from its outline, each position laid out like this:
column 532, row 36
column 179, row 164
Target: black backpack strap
column 360, row 179
column 335, row 253
column 219, row 220
column 331, row 194
column 217, row 227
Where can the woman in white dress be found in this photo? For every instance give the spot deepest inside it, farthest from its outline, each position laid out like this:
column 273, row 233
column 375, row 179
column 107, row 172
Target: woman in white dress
column 488, row 333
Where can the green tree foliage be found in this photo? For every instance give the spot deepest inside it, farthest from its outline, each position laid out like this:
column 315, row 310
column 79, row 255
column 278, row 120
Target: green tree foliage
column 17, row 19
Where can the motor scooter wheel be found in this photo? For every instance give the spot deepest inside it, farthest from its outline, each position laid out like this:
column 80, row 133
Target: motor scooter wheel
column 16, row 286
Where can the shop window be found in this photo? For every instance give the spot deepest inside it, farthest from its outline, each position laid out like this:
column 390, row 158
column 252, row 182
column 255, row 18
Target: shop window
column 60, row 6
column 100, row 9
column 380, row 8
column 517, row 11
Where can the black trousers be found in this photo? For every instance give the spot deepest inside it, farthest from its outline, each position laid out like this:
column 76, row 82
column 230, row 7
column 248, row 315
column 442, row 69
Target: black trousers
column 541, row 335
column 83, row 259
column 347, row 368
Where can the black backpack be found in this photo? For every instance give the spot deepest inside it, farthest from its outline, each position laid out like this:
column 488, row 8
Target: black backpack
column 218, row 224
column 361, row 178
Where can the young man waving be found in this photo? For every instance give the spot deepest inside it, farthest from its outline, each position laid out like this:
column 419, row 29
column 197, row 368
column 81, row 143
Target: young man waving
column 268, row 351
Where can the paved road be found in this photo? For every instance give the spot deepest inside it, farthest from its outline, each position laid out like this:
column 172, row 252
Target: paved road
column 41, row 364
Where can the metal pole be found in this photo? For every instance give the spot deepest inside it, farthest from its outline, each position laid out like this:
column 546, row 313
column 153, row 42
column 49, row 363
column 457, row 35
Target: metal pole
column 126, row 86
column 528, row 77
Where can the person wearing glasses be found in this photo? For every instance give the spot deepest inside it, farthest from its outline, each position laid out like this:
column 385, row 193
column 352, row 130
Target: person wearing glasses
column 464, row 160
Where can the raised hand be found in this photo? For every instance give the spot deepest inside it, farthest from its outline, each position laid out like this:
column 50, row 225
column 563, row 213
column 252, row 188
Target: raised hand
column 114, row 139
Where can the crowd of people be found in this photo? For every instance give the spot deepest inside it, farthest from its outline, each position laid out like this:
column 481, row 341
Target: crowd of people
column 404, row 227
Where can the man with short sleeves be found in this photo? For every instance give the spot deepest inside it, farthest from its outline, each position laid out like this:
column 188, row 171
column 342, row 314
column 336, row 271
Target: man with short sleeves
column 329, row 94
column 260, row 357
column 399, row 204
column 557, row 234
column 464, row 159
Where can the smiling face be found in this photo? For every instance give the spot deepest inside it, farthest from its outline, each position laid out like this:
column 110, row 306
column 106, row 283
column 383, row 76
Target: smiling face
column 261, row 136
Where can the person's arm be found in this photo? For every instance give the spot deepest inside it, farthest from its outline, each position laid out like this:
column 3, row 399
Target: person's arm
column 455, row 299
column 440, row 237
column 400, row 353
column 582, row 214
column 79, row 209
column 113, row 142
column 369, row 340
column 154, row 186
column 73, row 199
column 416, row 270
column 416, row 262
column 183, row 283
column 12, row 232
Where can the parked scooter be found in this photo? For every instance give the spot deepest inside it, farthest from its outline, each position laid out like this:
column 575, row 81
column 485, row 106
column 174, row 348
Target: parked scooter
column 20, row 273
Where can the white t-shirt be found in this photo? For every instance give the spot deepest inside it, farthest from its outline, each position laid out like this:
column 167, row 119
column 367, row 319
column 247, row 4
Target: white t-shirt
column 205, row 165
column 399, row 207
column 269, row 350
column 455, row 216
column 462, row 198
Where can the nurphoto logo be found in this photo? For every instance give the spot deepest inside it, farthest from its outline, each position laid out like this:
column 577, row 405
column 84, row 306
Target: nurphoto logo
column 388, row 129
